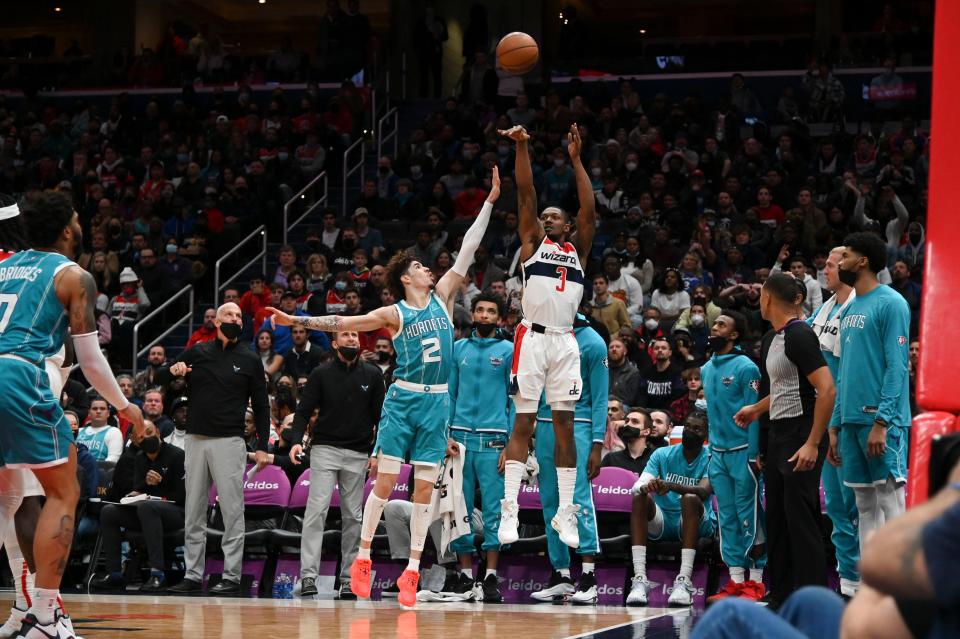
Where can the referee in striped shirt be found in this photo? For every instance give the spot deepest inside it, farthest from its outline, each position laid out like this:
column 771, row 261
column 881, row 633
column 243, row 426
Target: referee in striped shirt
column 799, row 403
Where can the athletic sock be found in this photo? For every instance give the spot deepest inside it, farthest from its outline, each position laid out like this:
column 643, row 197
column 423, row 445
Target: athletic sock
column 566, row 482
column 467, row 572
column 639, row 560
column 512, row 476
column 736, row 575
column 490, row 572
column 363, row 553
column 419, row 525
column 564, row 572
column 891, row 499
column 22, row 578
column 587, row 568
column 413, row 564
column 756, row 574
column 44, row 604
column 371, row 518
column 686, row 561
column 849, row 587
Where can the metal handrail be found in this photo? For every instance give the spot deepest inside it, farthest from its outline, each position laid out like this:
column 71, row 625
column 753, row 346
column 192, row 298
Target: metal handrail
column 301, row 194
column 136, row 327
column 403, row 76
column 260, row 231
column 381, row 138
column 348, row 172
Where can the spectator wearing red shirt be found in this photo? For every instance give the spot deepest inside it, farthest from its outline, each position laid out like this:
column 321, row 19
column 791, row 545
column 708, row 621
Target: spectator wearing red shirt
column 256, row 298
column 767, row 212
column 207, row 332
column 261, row 314
column 468, row 203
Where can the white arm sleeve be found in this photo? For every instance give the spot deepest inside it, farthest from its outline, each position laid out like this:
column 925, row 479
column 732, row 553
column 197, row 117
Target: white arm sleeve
column 96, row 369
column 645, row 478
column 471, row 240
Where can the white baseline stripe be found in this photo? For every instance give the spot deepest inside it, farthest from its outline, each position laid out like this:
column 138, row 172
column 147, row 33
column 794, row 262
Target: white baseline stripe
column 590, row 633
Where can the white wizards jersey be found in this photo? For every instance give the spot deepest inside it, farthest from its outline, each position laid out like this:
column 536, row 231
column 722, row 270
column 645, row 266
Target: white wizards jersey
column 552, row 285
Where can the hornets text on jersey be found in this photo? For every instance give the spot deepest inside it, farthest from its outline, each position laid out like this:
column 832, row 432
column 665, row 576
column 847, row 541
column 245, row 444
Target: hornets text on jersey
column 424, row 343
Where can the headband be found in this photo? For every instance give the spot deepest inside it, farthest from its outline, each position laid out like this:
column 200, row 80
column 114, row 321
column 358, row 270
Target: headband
column 8, row 212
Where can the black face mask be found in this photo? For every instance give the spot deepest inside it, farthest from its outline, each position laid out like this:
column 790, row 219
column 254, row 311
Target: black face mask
column 691, row 440
column 383, row 357
column 717, row 343
column 847, row 277
column 231, row 331
column 628, row 433
column 349, row 353
column 915, row 238
column 485, row 329
column 150, row 445
column 348, row 243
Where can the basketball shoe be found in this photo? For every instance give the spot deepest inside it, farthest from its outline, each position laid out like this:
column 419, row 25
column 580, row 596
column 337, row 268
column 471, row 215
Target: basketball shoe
column 682, row 594
column 558, row 586
column 360, row 577
column 509, row 521
column 565, row 523
column 408, row 588
column 639, row 587
column 732, row 589
column 586, row 594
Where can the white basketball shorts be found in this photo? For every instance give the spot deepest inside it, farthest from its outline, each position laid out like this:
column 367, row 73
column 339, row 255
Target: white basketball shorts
column 545, row 362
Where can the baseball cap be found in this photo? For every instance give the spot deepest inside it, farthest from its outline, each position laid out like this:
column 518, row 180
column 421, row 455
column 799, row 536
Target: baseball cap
column 178, row 402
column 65, row 184
column 360, row 211
column 288, row 293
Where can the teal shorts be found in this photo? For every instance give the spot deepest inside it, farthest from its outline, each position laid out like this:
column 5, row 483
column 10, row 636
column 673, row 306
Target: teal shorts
column 33, row 430
column 413, row 426
column 671, row 525
column 859, row 470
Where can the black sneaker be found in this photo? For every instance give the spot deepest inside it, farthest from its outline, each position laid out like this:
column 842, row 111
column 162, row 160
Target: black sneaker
column 346, row 594
column 586, row 594
column 490, row 587
column 308, row 587
column 108, row 582
column 390, row 592
column 186, row 587
column 458, row 587
column 156, row 583
column 558, row 587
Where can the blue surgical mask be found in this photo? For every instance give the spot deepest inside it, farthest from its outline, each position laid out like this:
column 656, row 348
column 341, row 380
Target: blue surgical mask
column 283, row 156
column 183, row 158
column 340, row 286
column 700, row 404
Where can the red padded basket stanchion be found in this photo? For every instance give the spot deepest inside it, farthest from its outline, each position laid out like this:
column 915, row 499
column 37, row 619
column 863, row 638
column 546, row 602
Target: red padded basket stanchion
column 925, row 427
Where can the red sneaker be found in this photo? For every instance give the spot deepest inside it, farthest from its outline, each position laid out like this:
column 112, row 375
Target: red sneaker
column 732, row 589
column 752, row 590
column 360, row 578
column 407, row 583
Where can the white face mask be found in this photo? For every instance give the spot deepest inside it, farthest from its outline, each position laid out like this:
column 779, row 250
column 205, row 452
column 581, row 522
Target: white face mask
column 696, row 319
column 596, row 171
column 558, row 162
column 631, row 166
column 700, row 404
column 651, row 324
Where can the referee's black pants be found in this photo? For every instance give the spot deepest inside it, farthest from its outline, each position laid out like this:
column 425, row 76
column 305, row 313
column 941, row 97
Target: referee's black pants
column 795, row 551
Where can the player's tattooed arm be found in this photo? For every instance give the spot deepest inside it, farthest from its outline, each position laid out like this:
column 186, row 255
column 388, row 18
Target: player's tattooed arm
column 77, row 292
column 329, row 323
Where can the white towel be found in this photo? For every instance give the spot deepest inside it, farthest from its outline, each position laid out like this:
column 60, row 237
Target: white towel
column 447, row 502
column 828, row 330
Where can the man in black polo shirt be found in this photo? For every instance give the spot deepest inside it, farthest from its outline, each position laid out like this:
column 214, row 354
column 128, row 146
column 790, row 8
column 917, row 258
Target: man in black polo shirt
column 634, row 433
column 222, row 376
column 349, row 393
column 799, row 402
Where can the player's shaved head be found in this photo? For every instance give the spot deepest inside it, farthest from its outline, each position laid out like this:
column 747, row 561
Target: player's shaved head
column 229, row 312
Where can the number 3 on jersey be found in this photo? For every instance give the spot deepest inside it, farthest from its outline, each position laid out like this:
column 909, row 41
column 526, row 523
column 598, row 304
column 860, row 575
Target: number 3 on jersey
column 562, row 272
column 431, row 350
column 8, row 302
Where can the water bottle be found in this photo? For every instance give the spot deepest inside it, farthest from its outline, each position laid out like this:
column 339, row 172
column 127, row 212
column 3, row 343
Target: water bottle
column 288, row 587
column 280, row 587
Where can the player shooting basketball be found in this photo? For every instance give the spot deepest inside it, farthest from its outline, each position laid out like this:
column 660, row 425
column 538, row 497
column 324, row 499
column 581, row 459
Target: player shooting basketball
column 546, row 357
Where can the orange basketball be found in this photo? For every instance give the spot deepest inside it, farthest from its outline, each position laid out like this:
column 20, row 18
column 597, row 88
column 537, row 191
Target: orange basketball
column 517, row 52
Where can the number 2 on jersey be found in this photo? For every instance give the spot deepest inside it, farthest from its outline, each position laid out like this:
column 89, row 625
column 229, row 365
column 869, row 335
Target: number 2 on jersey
column 562, row 272
column 431, row 350
column 8, row 301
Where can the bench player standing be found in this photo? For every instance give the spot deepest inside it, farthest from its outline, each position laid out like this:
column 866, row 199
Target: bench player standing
column 416, row 411
column 546, row 358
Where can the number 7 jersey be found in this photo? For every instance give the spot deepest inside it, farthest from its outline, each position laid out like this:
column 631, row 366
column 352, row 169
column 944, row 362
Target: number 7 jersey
column 424, row 344
column 552, row 285
column 33, row 321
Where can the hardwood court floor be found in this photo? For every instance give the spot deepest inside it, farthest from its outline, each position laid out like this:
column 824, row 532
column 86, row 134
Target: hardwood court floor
column 102, row 616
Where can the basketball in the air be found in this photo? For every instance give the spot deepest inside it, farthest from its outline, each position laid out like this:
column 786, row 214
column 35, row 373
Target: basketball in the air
column 517, row 52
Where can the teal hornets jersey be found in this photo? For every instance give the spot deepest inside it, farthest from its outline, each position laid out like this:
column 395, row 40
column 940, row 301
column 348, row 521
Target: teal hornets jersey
column 669, row 464
column 33, row 322
column 730, row 382
column 873, row 379
column 96, row 443
column 424, row 344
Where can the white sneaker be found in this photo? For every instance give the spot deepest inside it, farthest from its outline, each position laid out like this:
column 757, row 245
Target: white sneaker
column 565, row 523
column 683, row 591
column 557, row 587
column 65, row 627
column 13, row 623
column 639, row 586
column 32, row 629
column 586, row 594
column 509, row 521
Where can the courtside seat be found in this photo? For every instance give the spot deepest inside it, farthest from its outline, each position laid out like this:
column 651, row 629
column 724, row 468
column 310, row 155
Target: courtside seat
column 265, row 499
column 289, row 536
